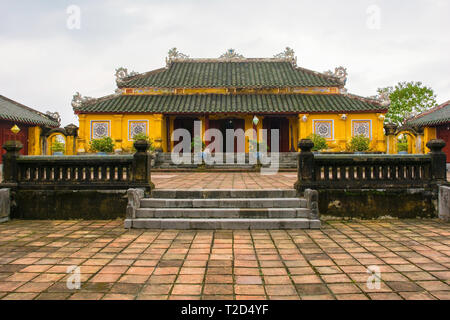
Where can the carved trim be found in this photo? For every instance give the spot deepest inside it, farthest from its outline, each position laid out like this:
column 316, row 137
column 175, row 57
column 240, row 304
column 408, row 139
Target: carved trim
column 175, row 55
column 287, row 54
column 231, row 54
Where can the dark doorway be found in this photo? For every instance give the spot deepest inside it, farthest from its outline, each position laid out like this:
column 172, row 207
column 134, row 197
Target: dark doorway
column 184, row 123
column 281, row 124
column 234, row 124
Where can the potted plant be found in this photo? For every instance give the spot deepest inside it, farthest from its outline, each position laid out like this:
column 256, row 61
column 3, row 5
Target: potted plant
column 359, row 144
column 320, row 143
column 58, row 148
column 198, row 144
column 102, row 146
column 151, row 149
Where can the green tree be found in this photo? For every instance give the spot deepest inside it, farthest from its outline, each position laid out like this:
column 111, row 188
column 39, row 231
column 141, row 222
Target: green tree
column 407, row 100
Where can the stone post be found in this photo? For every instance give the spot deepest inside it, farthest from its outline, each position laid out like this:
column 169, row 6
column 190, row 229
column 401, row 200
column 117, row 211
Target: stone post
column 10, row 168
column 142, row 164
column 438, row 160
column 305, row 168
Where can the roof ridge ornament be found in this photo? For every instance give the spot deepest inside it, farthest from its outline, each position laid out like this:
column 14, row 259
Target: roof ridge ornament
column 382, row 97
column 231, row 54
column 54, row 116
column 174, row 54
column 288, row 54
column 122, row 73
column 339, row 73
column 78, row 100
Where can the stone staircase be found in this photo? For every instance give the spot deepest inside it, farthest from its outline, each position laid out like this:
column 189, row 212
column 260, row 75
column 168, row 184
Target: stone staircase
column 164, row 161
column 222, row 209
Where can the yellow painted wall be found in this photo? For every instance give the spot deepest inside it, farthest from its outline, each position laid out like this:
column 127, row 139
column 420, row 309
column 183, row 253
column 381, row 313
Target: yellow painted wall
column 118, row 129
column 343, row 129
column 119, row 124
column 429, row 133
column 34, row 141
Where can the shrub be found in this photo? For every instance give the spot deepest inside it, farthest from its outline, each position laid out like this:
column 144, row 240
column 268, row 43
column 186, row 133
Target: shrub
column 58, row 146
column 105, row 144
column 320, row 143
column 402, row 146
column 197, row 143
column 143, row 136
column 359, row 143
column 255, row 146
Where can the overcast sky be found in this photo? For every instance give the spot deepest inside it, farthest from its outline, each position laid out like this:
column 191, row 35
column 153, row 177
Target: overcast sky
column 46, row 58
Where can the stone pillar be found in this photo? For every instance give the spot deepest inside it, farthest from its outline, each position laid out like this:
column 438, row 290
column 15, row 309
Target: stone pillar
column 71, row 135
column 142, row 164
column 10, row 168
column 419, row 141
column 305, row 169
column 438, row 160
column 5, row 204
column 444, row 203
column 390, row 129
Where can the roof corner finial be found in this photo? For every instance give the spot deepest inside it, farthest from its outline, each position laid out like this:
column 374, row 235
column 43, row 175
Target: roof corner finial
column 174, row 54
column 231, row 54
column 287, row 54
column 122, row 73
column 78, row 100
column 339, row 73
column 54, row 116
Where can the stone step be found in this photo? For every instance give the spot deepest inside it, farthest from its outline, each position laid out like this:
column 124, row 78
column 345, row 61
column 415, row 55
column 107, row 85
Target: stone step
column 217, row 224
column 207, row 213
column 224, row 203
column 223, row 193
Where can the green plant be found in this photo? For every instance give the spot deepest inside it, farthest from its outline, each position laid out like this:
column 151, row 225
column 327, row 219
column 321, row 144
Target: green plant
column 58, row 146
column 407, row 99
column 105, row 144
column 402, row 143
column 359, row 143
column 258, row 146
column 402, row 146
column 320, row 143
column 143, row 136
column 197, row 144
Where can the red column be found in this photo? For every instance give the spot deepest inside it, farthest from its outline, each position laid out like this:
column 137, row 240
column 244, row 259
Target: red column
column 206, row 129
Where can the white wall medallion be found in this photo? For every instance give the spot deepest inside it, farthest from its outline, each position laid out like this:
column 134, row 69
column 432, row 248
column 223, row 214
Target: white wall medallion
column 362, row 127
column 99, row 129
column 136, row 127
column 324, row 128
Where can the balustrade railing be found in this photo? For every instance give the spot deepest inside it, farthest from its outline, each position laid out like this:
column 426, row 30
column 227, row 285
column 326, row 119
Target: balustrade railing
column 362, row 171
column 78, row 172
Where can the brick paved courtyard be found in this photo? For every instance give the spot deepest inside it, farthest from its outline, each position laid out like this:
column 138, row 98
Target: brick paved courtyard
column 223, row 180
column 413, row 257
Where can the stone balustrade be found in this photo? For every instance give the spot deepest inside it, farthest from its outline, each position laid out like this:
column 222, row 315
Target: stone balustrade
column 77, row 172
column 370, row 171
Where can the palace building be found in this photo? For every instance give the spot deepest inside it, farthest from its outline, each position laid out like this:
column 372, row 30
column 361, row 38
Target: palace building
column 32, row 125
column 231, row 92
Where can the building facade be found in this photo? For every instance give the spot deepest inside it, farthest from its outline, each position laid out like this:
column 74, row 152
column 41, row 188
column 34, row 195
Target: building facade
column 435, row 124
column 231, row 92
column 32, row 124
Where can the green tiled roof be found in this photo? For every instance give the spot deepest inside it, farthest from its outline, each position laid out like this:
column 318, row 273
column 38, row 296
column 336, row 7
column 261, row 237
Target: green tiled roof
column 236, row 74
column 440, row 115
column 217, row 103
column 13, row 111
